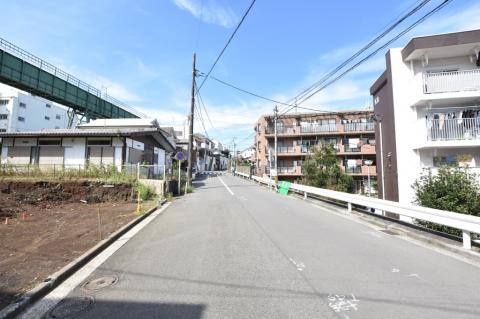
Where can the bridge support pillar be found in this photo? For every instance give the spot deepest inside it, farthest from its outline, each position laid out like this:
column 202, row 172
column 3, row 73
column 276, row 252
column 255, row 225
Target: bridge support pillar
column 467, row 239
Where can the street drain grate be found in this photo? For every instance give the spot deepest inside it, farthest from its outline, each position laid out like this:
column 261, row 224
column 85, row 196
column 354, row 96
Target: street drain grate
column 70, row 308
column 390, row 232
column 100, row 283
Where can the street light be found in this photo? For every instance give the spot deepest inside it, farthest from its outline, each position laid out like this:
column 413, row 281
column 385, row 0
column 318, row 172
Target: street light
column 368, row 163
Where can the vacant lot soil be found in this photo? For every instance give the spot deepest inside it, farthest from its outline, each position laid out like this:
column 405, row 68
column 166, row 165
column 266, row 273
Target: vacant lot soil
column 52, row 223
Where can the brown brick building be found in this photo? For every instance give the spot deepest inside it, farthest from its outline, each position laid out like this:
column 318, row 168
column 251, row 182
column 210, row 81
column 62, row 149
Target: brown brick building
column 351, row 132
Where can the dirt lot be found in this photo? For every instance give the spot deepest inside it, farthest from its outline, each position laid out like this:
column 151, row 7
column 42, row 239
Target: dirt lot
column 52, row 223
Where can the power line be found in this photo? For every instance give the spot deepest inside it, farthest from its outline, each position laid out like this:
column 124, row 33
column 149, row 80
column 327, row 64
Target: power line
column 363, row 49
column 205, row 109
column 226, row 45
column 422, row 19
column 245, row 91
column 200, row 117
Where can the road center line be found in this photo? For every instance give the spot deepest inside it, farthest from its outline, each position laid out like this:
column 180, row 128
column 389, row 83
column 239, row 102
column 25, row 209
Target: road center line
column 228, row 188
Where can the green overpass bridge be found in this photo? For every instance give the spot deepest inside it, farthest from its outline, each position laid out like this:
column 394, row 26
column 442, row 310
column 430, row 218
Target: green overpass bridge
column 25, row 71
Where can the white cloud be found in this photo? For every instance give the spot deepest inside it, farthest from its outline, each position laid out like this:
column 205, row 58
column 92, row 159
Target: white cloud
column 209, row 11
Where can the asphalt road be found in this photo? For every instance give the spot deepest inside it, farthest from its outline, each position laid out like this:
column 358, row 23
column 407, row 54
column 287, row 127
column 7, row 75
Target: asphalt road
column 246, row 252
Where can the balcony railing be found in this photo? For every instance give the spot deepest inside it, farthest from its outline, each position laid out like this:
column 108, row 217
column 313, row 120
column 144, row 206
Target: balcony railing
column 355, row 127
column 286, row 149
column 280, row 130
column 348, row 149
column 353, row 169
column 453, row 129
column 319, row 128
column 455, row 81
column 286, row 169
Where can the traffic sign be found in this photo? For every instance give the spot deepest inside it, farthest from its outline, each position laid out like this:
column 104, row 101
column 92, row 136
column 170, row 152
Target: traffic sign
column 180, row 156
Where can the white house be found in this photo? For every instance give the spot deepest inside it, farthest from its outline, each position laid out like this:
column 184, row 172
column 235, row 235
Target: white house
column 20, row 111
column 428, row 104
column 101, row 143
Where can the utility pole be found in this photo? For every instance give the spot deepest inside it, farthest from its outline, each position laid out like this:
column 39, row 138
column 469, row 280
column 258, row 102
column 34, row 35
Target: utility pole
column 190, row 128
column 275, row 120
column 234, row 156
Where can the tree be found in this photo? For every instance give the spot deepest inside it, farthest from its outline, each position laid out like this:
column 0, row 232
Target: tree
column 322, row 170
column 452, row 189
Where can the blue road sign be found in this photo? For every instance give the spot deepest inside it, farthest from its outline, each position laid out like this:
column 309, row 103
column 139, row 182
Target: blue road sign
column 180, row 156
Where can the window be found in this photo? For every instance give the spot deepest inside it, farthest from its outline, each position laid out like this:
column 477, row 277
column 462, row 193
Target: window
column 4, row 102
column 58, row 117
column 3, row 116
column 47, row 118
column 23, row 105
column 57, row 127
column 21, row 119
column 48, row 106
column 56, row 142
column 3, row 130
column 98, row 143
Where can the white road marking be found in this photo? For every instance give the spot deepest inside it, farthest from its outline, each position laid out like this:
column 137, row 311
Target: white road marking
column 228, row 188
column 341, row 303
column 41, row 307
column 395, row 270
column 300, row 266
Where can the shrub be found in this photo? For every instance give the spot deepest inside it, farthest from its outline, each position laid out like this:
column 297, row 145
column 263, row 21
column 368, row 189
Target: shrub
column 452, row 189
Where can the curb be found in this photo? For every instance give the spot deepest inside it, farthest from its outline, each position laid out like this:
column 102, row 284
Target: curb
column 60, row 276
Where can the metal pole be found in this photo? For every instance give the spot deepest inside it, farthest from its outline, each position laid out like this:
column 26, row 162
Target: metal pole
column 179, row 178
column 275, row 120
column 190, row 128
column 234, row 156
column 369, row 186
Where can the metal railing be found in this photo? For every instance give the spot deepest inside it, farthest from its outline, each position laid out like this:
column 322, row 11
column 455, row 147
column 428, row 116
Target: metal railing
column 466, row 223
column 286, row 149
column 453, row 129
column 348, row 149
column 319, row 128
column 44, row 65
column 281, row 129
column 286, row 169
column 455, row 81
column 355, row 127
column 353, row 169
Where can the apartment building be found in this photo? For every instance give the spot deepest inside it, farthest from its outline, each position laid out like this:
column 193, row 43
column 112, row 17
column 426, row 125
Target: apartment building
column 21, row 111
column 428, row 102
column 350, row 132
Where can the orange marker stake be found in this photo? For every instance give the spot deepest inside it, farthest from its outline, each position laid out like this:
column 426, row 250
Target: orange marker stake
column 6, row 220
column 23, row 216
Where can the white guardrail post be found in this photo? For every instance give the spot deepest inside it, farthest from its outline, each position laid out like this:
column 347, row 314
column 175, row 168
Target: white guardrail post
column 466, row 223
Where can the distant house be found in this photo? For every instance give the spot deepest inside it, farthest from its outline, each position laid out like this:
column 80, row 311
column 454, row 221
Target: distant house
column 101, row 142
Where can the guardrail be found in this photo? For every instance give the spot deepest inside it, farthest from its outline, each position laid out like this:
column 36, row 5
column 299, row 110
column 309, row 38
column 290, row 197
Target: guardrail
column 466, row 223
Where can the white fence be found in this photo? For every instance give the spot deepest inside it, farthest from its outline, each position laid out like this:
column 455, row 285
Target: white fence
column 453, row 129
column 455, row 81
column 466, row 223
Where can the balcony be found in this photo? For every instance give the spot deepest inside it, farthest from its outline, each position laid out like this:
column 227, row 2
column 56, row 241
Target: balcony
column 359, row 127
column 286, row 150
column 289, row 170
column 453, row 129
column 319, row 128
column 280, row 130
column 360, row 170
column 455, row 81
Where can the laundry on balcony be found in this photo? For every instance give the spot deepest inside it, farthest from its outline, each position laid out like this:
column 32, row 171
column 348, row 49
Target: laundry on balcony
column 454, row 125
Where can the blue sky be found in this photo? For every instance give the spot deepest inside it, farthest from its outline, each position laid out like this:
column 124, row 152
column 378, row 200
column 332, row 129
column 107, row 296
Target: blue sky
column 141, row 50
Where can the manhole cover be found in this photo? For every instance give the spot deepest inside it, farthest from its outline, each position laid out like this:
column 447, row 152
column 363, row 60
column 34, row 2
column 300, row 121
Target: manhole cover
column 99, row 283
column 70, row 308
column 390, row 232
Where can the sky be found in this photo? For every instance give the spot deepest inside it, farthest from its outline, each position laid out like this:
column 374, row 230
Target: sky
column 140, row 51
